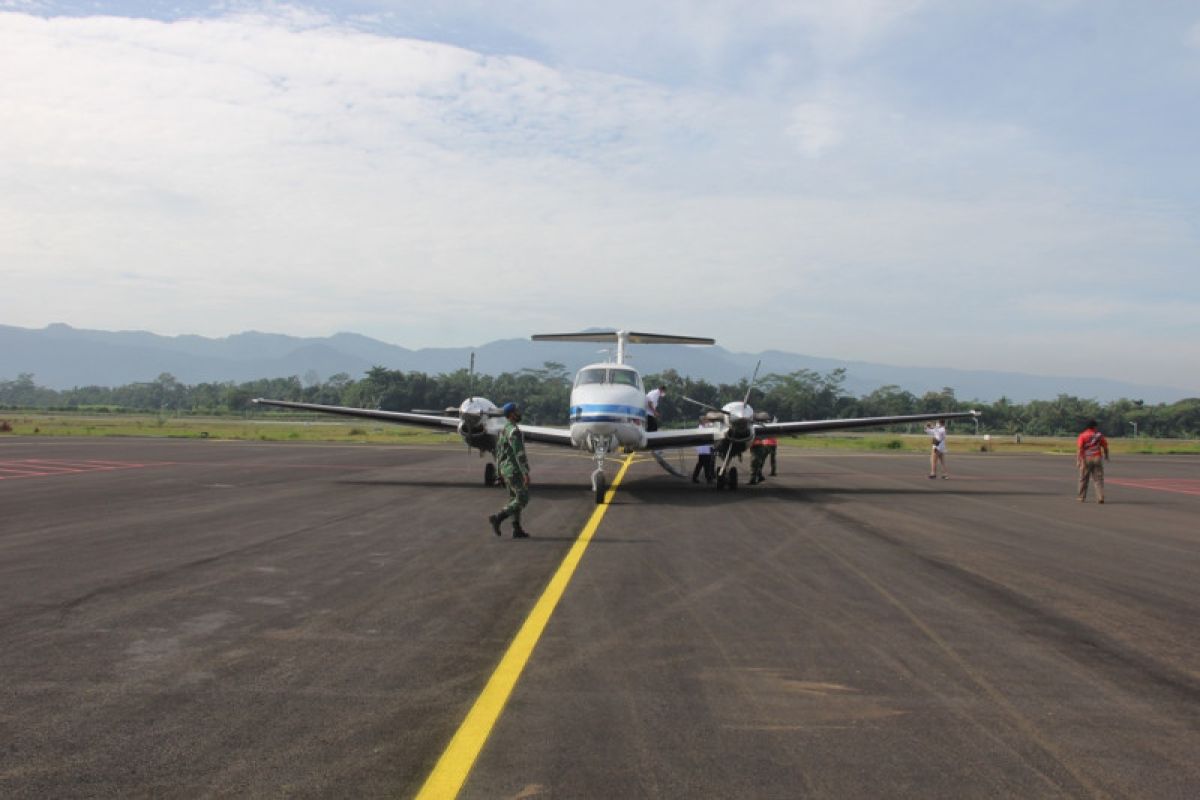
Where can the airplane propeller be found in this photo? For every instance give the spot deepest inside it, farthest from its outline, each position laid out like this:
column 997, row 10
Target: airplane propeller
column 739, row 428
column 456, row 411
column 745, row 400
column 706, row 406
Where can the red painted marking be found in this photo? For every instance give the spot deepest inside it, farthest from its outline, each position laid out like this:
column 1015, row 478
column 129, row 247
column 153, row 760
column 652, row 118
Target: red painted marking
column 17, row 473
column 43, row 468
column 1177, row 485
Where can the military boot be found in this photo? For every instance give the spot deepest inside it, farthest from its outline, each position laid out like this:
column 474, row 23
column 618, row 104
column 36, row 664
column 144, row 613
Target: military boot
column 518, row 531
column 496, row 519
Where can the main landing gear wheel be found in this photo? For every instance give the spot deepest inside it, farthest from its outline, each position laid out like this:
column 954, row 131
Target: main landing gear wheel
column 601, row 489
column 731, row 481
column 489, row 475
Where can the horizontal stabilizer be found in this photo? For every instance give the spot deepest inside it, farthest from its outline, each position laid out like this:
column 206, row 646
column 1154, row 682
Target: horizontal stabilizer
column 615, row 336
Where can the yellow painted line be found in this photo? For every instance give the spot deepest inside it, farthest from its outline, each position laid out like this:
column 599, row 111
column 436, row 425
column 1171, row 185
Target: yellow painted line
column 452, row 769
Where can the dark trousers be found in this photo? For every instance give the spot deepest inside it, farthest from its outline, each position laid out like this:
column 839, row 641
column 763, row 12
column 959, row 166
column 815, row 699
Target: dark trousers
column 758, row 456
column 704, row 461
column 518, row 497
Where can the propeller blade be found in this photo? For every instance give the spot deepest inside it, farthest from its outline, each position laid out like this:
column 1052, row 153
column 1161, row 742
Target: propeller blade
column 706, row 406
column 753, row 378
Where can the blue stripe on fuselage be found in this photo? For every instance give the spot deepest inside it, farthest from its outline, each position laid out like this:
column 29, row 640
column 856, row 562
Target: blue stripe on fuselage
column 590, row 409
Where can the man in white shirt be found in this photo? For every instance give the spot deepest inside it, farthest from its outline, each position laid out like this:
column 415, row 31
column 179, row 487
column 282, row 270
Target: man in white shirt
column 652, row 398
column 937, row 453
column 704, row 458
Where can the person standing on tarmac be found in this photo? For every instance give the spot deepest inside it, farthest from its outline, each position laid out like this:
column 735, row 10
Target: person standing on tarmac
column 1091, row 451
column 758, row 456
column 937, row 455
column 772, row 444
column 514, row 468
column 704, row 458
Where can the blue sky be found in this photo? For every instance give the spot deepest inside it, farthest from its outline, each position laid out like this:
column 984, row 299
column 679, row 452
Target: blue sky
column 993, row 185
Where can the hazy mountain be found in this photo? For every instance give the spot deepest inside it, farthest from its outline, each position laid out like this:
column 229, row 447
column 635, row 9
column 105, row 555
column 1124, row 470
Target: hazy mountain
column 61, row 357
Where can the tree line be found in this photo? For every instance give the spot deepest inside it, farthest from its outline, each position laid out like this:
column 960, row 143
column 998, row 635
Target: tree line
column 544, row 394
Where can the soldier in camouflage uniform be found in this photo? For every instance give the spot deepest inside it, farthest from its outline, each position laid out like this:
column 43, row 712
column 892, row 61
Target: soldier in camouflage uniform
column 514, row 468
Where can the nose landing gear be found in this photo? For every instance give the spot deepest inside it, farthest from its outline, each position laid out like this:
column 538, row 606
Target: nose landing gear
column 728, row 479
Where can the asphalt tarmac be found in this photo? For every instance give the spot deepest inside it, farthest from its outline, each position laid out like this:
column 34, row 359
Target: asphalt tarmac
column 209, row 619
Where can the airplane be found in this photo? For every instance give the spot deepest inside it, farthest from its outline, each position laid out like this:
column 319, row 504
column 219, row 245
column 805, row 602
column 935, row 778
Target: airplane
column 608, row 414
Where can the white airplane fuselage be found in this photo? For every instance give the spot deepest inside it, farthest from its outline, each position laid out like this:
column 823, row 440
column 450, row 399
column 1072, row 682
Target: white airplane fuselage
column 608, row 408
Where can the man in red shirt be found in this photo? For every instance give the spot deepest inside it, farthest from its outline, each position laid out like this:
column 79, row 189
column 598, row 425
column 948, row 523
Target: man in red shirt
column 772, row 445
column 1091, row 451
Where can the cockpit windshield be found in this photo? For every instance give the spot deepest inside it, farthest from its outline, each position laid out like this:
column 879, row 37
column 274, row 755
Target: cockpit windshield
column 626, row 377
column 616, row 375
column 587, row 376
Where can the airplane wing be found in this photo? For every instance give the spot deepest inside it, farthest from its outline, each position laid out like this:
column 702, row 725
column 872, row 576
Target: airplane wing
column 402, row 417
column 685, row 437
column 533, row 433
column 544, row 435
column 816, row 425
column 694, row 437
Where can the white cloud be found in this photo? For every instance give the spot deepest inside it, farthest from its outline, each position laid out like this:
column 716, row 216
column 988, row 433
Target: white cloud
column 286, row 172
column 815, row 128
column 1192, row 37
column 684, row 42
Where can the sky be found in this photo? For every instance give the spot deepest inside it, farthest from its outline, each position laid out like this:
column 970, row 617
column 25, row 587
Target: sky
column 957, row 183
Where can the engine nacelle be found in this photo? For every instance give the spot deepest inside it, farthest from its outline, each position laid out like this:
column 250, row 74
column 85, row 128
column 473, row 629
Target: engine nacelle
column 473, row 415
column 739, row 417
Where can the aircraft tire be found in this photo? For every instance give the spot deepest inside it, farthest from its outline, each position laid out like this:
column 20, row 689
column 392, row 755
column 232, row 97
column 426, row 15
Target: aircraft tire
column 489, row 474
column 601, row 489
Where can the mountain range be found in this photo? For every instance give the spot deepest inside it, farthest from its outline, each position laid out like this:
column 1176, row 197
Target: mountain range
column 62, row 357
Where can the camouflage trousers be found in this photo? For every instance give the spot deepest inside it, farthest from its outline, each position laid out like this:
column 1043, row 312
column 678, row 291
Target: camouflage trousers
column 1091, row 470
column 518, row 496
column 758, row 457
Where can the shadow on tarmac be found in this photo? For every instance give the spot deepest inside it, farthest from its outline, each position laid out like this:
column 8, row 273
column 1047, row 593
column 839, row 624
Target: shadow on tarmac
column 596, row 540
column 535, row 489
column 658, row 491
